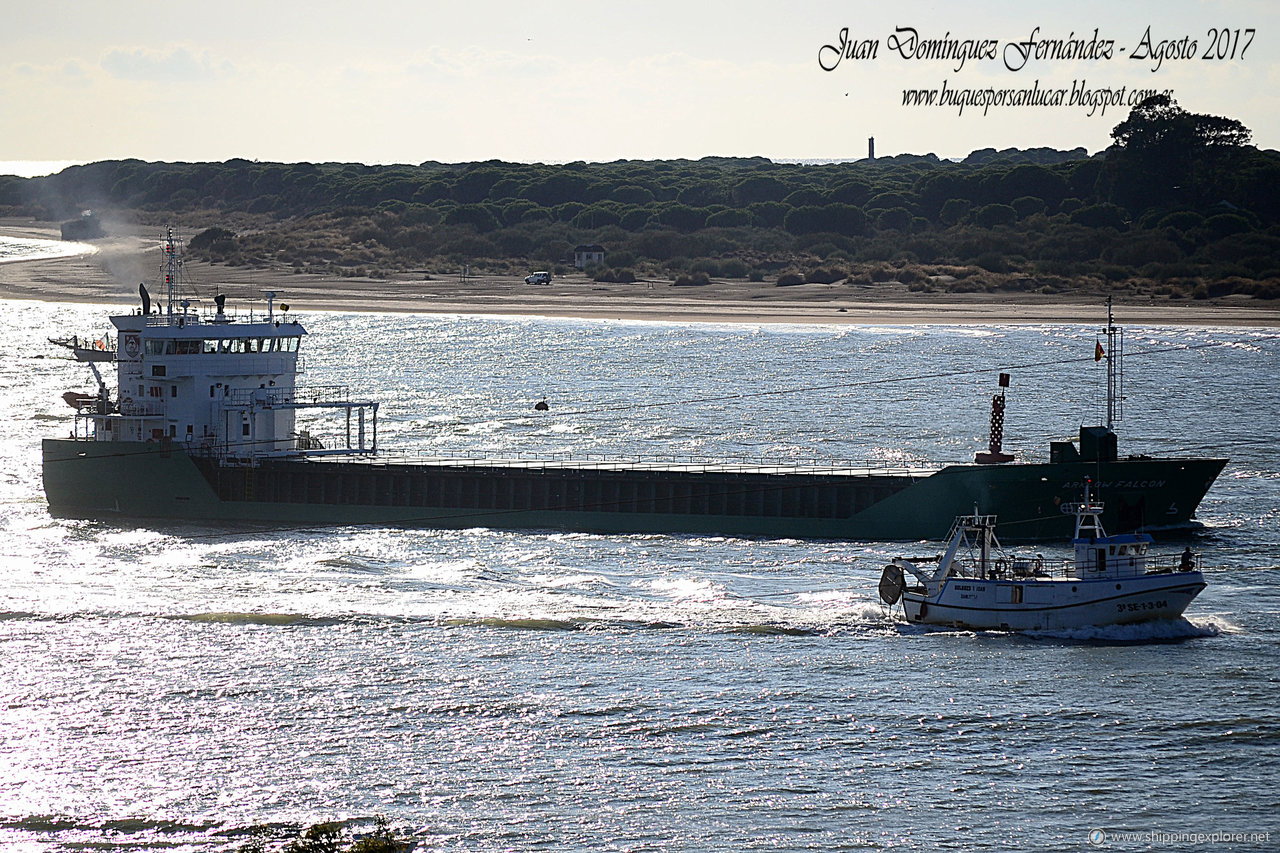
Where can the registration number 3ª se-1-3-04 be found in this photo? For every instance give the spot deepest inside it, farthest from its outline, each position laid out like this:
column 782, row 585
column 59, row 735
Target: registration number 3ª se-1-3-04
column 1136, row 606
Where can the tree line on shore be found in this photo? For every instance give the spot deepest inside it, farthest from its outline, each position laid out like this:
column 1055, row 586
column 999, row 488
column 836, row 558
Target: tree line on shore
column 1180, row 205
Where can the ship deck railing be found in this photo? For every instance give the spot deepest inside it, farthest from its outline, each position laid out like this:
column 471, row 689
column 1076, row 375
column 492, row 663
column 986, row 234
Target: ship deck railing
column 206, row 316
column 178, row 318
column 312, row 396
column 690, row 464
column 145, row 407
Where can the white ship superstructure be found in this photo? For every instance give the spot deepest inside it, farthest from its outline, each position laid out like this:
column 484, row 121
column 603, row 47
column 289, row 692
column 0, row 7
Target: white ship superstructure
column 218, row 384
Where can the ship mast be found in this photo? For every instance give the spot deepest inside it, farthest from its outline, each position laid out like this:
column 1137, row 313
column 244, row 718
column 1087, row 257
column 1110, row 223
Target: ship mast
column 1115, row 370
column 172, row 263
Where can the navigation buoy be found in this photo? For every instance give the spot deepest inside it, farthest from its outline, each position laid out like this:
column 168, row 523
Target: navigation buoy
column 541, row 406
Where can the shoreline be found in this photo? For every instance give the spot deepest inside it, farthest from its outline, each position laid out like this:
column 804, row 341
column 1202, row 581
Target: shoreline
column 112, row 273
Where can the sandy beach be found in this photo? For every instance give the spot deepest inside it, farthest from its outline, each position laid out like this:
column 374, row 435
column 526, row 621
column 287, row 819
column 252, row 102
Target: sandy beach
column 121, row 262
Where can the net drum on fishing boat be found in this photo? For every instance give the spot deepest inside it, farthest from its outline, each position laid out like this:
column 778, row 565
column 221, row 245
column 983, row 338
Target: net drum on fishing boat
column 892, row 583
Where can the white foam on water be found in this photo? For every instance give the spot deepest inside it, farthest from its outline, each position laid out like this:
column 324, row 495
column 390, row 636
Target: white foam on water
column 1158, row 631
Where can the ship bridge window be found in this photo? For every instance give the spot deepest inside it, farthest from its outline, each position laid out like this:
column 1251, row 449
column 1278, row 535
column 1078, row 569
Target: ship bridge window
column 188, row 347
column 154, row 347
column 292, row 344
column 210, row 347
column 251, row 345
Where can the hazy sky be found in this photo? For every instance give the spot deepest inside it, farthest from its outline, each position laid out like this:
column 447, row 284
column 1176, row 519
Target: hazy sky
column 381, row 82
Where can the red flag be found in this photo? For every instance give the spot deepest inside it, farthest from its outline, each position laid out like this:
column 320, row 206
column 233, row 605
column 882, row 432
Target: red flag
column 1098, row 351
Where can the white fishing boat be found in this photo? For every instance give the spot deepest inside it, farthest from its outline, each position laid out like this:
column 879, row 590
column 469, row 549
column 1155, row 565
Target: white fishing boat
column 1111, row 580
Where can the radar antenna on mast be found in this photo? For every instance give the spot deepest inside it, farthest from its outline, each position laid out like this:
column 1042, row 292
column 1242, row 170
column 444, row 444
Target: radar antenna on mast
column 171, row 265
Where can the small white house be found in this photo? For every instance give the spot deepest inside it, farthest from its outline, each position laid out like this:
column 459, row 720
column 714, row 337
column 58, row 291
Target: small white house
column 584, row 256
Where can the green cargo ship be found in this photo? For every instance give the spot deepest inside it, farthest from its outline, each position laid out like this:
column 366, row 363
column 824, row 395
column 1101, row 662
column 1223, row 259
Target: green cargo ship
column 166, row 480
column 202, row 427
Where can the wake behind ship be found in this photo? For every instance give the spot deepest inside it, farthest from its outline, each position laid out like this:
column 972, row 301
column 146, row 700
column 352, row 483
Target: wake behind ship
column 203, row 425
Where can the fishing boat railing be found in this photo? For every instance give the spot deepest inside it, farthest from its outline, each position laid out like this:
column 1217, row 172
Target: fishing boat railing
column 1031, row 568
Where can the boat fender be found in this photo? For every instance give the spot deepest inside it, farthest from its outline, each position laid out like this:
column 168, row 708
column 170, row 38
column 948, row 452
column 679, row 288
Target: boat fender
column 924, row 609
column 891, row 584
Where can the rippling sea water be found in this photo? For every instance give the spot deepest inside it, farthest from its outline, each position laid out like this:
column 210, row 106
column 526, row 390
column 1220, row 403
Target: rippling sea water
column 199, row 688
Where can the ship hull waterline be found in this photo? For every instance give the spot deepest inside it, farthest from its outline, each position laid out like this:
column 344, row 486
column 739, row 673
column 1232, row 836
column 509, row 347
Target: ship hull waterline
column 93, row 479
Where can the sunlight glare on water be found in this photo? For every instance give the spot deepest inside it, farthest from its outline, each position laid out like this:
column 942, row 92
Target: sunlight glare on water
column 27, row 248
column 183, row 685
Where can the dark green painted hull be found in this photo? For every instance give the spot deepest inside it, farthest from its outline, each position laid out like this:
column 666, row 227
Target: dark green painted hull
column 136, row 480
